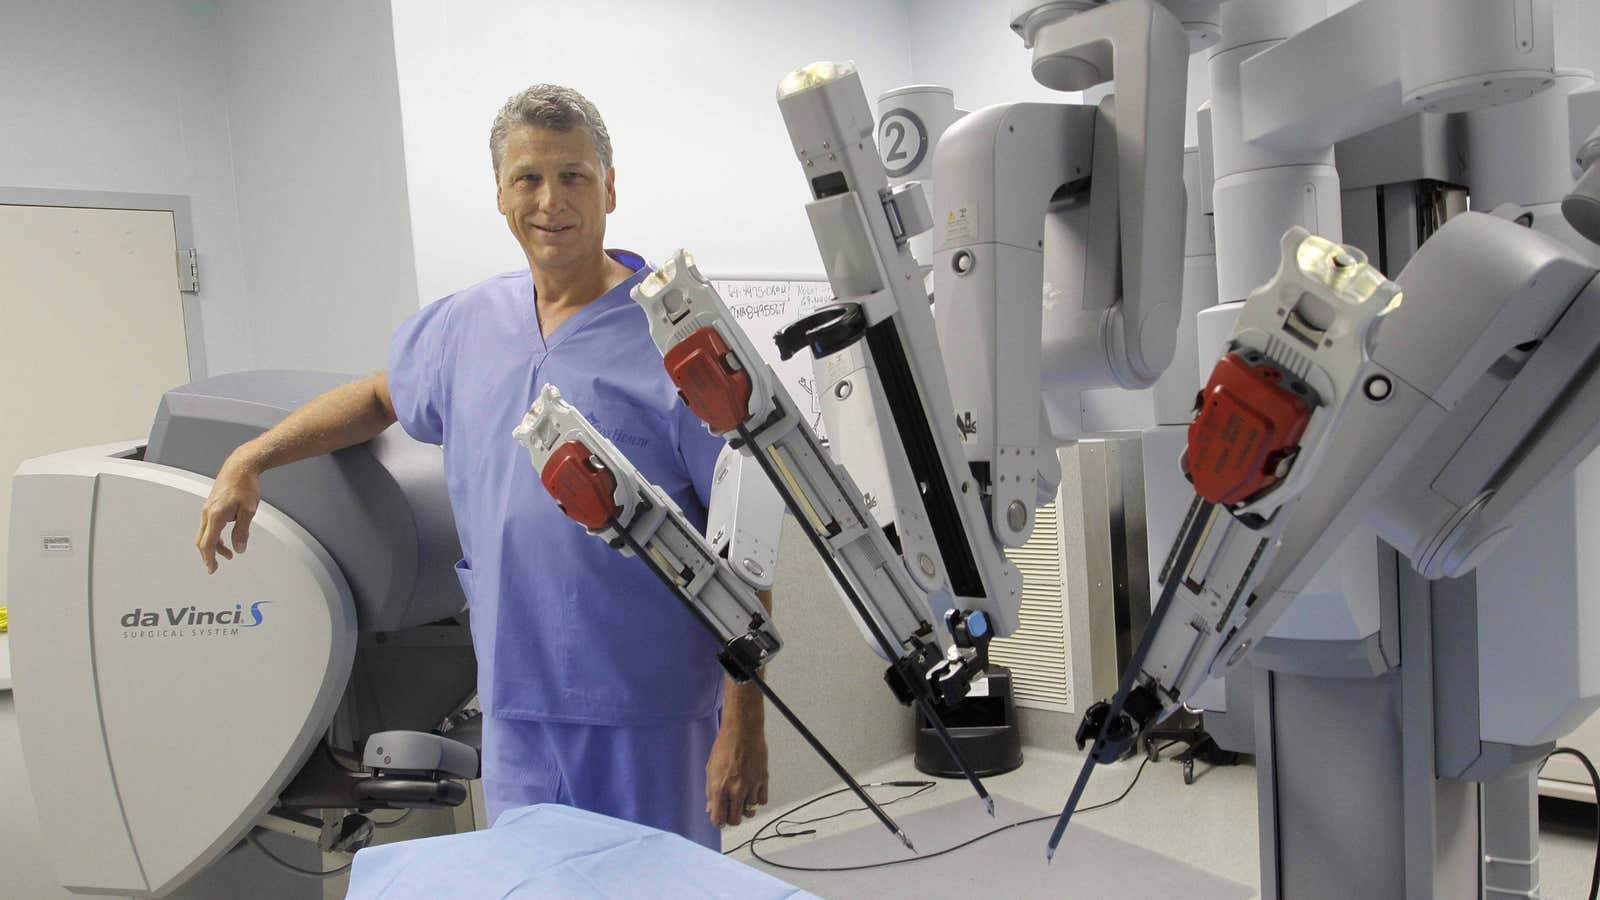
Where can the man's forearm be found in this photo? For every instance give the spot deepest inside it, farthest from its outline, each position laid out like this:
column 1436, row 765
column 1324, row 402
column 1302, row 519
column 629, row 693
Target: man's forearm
column 743, row 706
column 343, row 417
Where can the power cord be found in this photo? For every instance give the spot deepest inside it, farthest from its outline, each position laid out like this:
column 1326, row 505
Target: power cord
column 391, row 822
column 922, row 787
column 1594, row 779
column 761, row 835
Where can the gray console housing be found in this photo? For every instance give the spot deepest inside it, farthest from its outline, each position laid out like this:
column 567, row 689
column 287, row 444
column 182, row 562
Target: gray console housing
column 164, row 711
column 380, row 509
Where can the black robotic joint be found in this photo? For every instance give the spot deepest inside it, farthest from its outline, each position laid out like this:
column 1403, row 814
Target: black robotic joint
column 745, row 655
column 899, row 682
column 953, row 681
column 951, row 678
column 908, row 677
column 969, row 629
column 826, row 331
column 1116, row 740
column 1111, row 742
column 738, row 673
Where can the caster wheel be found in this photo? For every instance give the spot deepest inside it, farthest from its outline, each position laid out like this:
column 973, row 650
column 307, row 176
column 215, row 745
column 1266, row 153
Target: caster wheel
column 1188, row 771
column 1151, row 751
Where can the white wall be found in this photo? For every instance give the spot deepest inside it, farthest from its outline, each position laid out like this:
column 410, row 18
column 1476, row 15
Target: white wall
column 321, row 180
column 970, row 48
column 131, row 98
column 688, row 93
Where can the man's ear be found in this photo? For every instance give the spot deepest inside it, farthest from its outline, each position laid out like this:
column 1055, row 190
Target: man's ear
column 499, row 195
column 611, row 189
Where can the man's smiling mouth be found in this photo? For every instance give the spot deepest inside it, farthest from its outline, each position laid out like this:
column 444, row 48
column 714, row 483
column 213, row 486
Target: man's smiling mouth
column 555, row 229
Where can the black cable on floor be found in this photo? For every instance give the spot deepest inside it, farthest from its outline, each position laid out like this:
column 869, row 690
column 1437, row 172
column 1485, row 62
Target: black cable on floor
column 922, row 787
column 895, row 862
column 1594, row 779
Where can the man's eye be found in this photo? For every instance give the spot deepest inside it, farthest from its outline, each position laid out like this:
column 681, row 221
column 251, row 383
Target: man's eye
column 525, row 179
column 572, row 177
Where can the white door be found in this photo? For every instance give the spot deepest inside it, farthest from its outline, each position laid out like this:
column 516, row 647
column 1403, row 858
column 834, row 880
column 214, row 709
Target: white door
column 91, row 330
column 91, row 335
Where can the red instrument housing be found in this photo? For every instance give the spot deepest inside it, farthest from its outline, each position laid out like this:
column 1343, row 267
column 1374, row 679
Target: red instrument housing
column 715, row 391
column 1248, row 420
column 585, row 490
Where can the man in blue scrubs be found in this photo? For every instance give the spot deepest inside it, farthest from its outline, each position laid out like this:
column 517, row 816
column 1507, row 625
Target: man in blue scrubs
column 598, row 689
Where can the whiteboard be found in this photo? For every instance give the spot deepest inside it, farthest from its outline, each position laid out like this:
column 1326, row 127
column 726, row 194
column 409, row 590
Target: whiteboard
column 761, row 307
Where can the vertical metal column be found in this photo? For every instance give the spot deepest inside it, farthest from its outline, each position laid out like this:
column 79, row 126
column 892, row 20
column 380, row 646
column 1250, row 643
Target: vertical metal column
column 1107, row 483
column 1443, row 844
column 1350, row 801
column 1511, row 837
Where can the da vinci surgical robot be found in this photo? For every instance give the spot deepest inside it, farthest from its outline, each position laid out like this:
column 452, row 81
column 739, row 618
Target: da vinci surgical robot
column 166, row 715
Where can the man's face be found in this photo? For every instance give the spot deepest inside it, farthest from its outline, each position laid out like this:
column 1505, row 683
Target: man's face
column 554, row 195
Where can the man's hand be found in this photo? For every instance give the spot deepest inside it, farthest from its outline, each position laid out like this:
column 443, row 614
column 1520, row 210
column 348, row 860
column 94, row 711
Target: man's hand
column 736, row 774
column 234, row 497
column 343, row 417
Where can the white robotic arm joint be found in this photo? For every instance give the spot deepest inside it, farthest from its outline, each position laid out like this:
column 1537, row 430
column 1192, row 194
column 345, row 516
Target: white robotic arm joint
column 745, row 518
column 1079, row 200
column 1582, row 207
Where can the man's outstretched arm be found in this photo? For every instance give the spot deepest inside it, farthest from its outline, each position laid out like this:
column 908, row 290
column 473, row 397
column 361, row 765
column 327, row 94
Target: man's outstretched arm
column 343, row 417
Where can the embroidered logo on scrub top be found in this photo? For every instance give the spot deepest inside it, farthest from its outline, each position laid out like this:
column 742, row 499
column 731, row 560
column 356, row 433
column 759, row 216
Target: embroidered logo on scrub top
column 617, row 435
column 622, row 438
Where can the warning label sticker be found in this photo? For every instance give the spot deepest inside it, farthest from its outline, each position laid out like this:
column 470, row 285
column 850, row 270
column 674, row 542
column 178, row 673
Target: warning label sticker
column 960, row 224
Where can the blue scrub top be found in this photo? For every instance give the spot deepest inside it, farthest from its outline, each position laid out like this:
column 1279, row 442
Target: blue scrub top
column 565, row 628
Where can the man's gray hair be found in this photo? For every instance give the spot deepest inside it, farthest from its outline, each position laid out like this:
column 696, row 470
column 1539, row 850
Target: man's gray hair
column 552, row 107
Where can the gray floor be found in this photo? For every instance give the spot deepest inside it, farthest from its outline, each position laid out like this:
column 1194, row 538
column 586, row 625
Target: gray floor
column 1210, row 825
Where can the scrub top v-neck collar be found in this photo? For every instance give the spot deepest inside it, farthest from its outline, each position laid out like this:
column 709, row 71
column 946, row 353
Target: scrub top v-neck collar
column 545, row 344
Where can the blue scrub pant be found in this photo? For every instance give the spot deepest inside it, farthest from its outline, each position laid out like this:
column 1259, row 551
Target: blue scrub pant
column 651, row 774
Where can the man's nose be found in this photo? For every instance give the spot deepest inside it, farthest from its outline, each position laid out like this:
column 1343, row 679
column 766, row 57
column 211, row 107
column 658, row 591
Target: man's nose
column 550, row 198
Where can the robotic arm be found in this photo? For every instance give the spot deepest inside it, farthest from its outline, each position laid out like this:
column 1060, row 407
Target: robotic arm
column 1437, row 415
column 730, row 387
column 597, row 487
column 1012, row 179
column 1075, row 200
column 876, row 353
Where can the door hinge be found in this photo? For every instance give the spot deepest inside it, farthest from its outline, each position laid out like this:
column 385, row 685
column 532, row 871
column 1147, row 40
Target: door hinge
column 188, row 272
